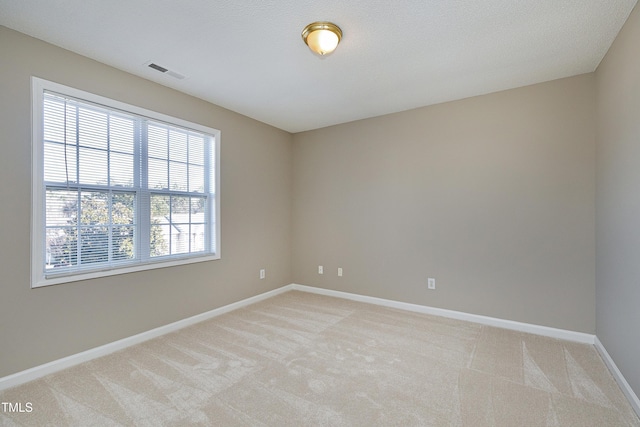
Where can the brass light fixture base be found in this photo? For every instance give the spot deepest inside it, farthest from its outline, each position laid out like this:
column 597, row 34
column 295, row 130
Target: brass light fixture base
column 322, row 37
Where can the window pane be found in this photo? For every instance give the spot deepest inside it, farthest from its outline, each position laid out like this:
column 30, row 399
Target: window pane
column 196, row 179
column 160, row 236
column 53, row 110
column 158, row 174
column 178, row 176
column 177, row 146
column 61, row 230
column 121, row 134
column 123, row 208
column 198, row 208
column 61, row 207
column 160, row 228
column 93, row 166
column 61, row 247
column 180, row 238
column 94, row 208
column 121, row 170
column 180, row 209
column 160, row 209
column 94, row 244
column 196, row 150
column 197, row 237
column 123, row 243
column 123, row 212
column 56, row 165
column 157, row 143
column 92, row 128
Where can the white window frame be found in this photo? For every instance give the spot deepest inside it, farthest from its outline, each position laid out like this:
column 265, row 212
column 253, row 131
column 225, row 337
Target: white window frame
column 39, row 277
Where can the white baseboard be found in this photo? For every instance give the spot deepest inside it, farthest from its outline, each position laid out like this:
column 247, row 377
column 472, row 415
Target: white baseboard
column 75, row 359
column 484, row 320
column 617, row 375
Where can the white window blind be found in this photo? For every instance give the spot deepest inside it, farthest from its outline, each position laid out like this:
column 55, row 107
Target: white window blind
column 119, row 188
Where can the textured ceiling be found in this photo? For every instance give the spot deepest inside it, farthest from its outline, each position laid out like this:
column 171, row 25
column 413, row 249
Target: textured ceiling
column 248, row 56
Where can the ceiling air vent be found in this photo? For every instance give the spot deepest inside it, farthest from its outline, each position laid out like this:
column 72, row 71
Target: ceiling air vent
column 165, row 70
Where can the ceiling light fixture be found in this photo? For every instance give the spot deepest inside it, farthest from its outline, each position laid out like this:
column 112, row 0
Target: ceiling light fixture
column 322, row 37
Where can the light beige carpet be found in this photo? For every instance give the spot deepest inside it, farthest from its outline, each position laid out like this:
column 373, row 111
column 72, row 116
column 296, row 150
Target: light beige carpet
column 303, row 359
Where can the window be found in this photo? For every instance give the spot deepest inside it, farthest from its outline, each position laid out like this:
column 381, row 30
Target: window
column 117, row 188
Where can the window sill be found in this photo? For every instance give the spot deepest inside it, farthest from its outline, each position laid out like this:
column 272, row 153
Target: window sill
column 42, row 281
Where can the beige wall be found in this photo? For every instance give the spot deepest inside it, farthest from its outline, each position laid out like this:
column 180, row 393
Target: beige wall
column 493, row 196
column 40, row 325
column 618, row 201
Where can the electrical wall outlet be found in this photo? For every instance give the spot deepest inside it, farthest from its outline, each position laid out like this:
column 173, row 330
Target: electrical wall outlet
column 263, row 273
column 339, row 271
column 431, row 283
column 320, row 269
